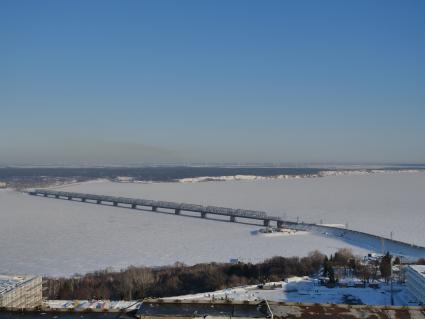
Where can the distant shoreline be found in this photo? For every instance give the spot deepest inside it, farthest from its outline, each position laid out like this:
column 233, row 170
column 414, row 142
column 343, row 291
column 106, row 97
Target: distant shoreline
column 23, row 178
column 325, row 173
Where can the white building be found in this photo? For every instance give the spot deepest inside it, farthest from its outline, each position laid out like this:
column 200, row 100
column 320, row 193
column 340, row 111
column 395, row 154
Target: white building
column 20, row 292
column 415, row 279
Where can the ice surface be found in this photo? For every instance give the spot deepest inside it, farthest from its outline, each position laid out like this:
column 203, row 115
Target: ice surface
column 58, row 237
column 375, row 203
column 49, row 236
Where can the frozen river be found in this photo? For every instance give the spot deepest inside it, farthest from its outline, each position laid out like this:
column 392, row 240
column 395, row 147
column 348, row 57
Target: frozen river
column 378, row 203
column 59, row 237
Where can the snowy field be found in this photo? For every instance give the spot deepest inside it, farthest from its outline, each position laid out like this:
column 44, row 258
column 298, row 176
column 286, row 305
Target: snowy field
column 307, row 290
column 59, row 237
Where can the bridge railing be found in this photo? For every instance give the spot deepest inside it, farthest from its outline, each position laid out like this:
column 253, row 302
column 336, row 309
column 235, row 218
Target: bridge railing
column 242, row 213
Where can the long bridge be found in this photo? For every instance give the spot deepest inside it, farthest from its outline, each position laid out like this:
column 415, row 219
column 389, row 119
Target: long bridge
column 153, row 205
column 365, row 240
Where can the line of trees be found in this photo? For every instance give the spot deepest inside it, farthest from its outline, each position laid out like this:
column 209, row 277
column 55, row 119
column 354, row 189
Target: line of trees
column 141, row 282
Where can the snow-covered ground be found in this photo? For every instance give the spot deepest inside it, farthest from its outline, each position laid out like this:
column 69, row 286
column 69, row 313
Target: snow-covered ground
column 307, row 290
column 59, row 237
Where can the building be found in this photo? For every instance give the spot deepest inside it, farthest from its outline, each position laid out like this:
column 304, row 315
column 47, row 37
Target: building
column 187, row 309
column 233, row 309
column 19, row 292
column 415, row 280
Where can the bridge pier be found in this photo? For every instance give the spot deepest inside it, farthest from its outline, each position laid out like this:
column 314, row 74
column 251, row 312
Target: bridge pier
column 134, row 203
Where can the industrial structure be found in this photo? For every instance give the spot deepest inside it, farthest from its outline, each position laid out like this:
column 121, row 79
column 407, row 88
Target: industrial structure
column 20, row 292
column 415, row 280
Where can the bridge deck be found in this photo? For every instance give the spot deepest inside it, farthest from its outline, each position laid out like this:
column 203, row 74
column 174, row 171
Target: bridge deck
column 216, row 210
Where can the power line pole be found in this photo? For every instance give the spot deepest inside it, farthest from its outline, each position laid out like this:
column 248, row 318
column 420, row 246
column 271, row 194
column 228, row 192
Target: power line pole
column 391, row 280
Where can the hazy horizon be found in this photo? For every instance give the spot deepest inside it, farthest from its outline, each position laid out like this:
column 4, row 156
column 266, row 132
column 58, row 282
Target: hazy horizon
column 159, row 82
column 329, row 165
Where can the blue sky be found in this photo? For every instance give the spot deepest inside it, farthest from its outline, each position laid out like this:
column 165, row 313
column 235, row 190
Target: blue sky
column 131, row 82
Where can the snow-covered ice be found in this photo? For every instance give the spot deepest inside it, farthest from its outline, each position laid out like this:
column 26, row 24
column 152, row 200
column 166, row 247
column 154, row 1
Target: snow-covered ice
column 379, row 204
column 59, row 237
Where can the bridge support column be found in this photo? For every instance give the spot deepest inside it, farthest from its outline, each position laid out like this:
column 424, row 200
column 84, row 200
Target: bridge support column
column 154, row 208
column 45, row 195
column 177, row 211
column 57, row 196
column 99, row 201
column 266, row 222
column 279, row 224
column 134, row 206
column 83, row 200
column 232, row 218
column 115, row 203
column 69, row 198
column 203, row 214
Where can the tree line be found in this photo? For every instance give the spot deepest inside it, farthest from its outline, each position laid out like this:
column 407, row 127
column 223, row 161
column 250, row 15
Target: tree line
column 135, row 283
column 140, row 282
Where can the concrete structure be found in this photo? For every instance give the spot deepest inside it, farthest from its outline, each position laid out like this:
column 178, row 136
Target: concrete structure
column 203, row 309
column 3, row 185
column 20, row 292
column 222, row 309
column 415, row 280
column 89, row 306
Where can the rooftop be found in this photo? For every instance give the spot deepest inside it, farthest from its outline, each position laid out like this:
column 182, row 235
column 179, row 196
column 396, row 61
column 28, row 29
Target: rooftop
column 202, row 308
column 161, row 308
column 10, row 282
